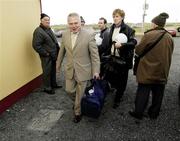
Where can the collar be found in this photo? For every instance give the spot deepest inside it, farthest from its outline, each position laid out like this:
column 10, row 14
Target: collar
column 74, row 33
column 43, row 27
column 157, row 28
column 103, row 30
column 117, row 26
column 122, row 25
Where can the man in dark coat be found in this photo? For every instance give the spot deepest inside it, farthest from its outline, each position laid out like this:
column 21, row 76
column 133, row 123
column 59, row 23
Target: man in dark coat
column 102, row 40
column 45, row 43
column 153, row 68
column 103, row 35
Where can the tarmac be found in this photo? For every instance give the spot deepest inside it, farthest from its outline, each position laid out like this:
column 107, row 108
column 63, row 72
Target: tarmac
column 43, row 117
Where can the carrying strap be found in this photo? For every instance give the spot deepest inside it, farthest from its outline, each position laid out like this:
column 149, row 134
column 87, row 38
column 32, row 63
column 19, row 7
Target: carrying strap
column 151, row 46
column 50, row 34
column 114, row 51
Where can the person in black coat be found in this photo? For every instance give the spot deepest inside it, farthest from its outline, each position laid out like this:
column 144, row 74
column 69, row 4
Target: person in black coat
column 45, row 43
column 118, row 78
column 102, row 40
column 103, row 35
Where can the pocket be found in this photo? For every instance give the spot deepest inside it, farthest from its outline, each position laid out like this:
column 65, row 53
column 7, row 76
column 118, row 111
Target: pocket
column 85, row 65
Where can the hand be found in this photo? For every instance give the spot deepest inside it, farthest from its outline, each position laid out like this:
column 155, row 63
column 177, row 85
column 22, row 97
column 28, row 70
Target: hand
column 96, row 76
column 118, row 45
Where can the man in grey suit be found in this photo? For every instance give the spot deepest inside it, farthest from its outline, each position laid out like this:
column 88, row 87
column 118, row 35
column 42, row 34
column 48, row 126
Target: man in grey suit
column 82, row 60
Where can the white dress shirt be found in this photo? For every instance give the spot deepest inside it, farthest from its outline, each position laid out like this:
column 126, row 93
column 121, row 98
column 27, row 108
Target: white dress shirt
column 73, row 38
column 115, row 33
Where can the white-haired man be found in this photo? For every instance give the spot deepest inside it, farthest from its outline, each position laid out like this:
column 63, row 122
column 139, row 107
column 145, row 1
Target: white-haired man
column 82, row 60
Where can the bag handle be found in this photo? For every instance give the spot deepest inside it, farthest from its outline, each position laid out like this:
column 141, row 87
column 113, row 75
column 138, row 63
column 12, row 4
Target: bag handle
column 151, row 46
column 114, row 52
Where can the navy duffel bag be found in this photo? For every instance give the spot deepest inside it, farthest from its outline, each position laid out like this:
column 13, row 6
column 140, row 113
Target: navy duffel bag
column 93, row 100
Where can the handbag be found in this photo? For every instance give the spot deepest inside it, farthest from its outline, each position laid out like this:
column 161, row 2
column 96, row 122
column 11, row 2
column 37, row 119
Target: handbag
column 113, row 63
column 137, row 58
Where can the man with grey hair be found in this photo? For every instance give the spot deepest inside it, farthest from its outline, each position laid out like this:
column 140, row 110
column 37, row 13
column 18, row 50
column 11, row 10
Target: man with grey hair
column 82, row 60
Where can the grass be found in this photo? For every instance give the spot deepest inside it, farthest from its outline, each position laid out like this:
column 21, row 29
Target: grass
column 136, row 27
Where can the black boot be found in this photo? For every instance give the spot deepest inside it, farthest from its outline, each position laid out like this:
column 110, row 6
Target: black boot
column 50, row 92
column 117, row 100
column 135, row 115
column 77, row 118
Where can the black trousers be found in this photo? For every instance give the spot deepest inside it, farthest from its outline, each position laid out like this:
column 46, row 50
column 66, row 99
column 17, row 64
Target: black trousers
column 142, row 98
column 179, row 94
column 118, row 81
column 49, row 72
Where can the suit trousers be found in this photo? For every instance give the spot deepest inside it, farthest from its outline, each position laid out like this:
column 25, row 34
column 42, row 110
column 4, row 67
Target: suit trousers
column 73, row 86
column 142, row 98
column 49, row 72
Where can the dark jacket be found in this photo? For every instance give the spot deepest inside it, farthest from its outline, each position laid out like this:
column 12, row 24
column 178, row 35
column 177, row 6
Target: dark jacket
column 104, row 34
column 154, row 67
column 127, row 49
column 44, row 42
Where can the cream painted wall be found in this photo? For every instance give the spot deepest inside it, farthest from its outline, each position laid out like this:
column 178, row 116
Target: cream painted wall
column 0, row 50
column 19, row 63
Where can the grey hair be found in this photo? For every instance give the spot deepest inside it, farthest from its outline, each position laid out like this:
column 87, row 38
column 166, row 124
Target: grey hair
column 74, row 15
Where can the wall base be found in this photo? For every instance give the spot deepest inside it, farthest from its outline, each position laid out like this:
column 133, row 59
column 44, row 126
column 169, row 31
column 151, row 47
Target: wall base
column 21, row 92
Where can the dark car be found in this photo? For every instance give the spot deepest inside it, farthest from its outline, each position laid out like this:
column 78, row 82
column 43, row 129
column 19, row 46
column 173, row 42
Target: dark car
column 178, row 29
column 57, row 33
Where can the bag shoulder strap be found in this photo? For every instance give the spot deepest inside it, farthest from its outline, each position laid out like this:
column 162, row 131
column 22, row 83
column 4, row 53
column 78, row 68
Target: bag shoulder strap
column 152, row 46
column 114, row 51
column 54, row 40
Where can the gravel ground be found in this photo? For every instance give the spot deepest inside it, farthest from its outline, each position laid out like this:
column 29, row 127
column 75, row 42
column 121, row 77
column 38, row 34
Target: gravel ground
column 112, row 125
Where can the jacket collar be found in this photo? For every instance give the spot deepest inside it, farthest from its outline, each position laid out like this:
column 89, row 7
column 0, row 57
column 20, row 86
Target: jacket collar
column 157, row 28
column 43, row 27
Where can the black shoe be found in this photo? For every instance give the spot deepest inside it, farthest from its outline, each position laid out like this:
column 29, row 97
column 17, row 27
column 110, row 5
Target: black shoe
column 57, row 87
column 153, row 117
column 77, row 118
column 135, row 115
column 51, row 92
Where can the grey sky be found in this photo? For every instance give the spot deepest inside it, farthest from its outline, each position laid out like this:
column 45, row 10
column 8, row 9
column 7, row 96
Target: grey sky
column 91, row 10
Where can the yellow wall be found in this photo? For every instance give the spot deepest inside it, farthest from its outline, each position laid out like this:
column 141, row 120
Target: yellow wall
column 19, row 64
column 0, row 50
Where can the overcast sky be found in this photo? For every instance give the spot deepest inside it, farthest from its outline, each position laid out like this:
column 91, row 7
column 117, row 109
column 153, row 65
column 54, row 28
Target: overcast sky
column 92, row 10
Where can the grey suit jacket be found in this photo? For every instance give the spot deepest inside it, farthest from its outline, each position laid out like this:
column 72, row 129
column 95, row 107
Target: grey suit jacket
column 83, row 59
